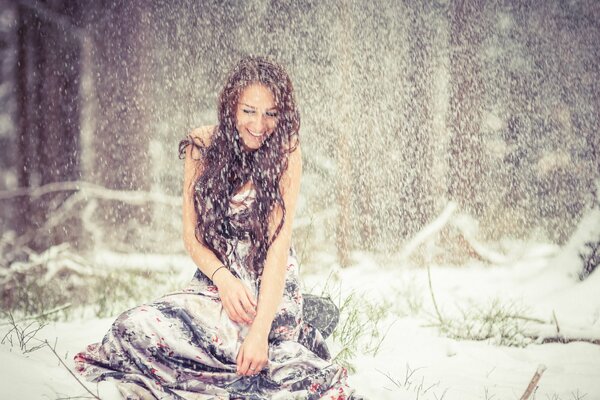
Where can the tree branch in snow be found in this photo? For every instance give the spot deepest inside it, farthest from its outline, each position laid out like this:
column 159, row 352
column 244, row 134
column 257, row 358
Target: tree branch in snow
column 54, row 261
column 429, row 230
column 87, row 190
column 534, row 381
column 446, row 219
column 565, row 340
column 82, row 192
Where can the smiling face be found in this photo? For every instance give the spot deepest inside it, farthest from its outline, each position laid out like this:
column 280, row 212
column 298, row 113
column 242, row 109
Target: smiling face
column 256, row 116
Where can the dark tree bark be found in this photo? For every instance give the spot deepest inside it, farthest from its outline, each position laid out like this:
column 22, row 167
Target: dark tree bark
column 59, row 101
column 23, row 125
column 48, row 113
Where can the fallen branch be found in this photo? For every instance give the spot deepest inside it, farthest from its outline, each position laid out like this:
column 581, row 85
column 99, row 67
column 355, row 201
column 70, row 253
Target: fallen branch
column 564, row 340
column 54, row 260
column 82, row 191
column 429, row 230
column 482, row 252
column 443, row 220
column 134, row 197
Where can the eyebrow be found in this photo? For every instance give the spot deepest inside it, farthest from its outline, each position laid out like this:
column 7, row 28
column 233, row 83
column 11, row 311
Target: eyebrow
column 248, row 105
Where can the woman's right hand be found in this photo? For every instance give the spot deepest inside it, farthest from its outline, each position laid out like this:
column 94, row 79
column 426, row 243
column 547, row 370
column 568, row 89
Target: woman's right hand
column 238, row 301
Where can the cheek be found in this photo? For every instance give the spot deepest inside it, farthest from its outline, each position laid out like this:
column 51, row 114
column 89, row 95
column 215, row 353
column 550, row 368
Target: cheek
column 272, row 124
column 239, row 119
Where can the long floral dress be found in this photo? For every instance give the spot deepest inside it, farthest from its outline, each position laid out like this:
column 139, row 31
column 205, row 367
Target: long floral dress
column 184, row 346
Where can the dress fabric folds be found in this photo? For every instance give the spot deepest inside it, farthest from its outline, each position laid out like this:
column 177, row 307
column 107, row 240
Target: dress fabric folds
column 184, row 346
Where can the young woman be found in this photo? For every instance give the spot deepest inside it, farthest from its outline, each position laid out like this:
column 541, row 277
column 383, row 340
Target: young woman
column 237, row 331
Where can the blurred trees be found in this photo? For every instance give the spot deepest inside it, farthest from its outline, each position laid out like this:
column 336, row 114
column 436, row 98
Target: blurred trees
column 405, row 106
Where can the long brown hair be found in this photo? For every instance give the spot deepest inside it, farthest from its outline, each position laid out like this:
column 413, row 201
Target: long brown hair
column 227, row 166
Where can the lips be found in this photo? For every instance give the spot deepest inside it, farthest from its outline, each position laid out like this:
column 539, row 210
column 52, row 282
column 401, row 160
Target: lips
column 256, row 134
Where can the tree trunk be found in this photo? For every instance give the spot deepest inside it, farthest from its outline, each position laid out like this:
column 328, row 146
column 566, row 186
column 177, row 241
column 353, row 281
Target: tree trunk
column 464, row 123
column 121, row 65
column 24, row 160
column 48, row 109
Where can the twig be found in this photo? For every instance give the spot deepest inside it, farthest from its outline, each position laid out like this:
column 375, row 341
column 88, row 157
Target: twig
column 555, row 322
column 70, row 372
column 534, row 381
column 440, row 319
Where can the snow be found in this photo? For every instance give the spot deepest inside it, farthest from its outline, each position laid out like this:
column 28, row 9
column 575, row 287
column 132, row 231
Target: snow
column 414, row 360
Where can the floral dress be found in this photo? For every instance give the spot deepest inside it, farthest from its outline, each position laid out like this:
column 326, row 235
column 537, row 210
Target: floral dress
column 184, row 346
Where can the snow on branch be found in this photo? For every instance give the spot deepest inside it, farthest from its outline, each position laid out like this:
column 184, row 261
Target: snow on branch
column 88, row 190
column 429, row 230
column 463, row 225
column 81, row 192
column 54, row 261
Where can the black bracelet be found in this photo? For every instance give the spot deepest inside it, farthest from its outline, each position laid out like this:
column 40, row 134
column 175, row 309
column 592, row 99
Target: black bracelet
column 213, row 274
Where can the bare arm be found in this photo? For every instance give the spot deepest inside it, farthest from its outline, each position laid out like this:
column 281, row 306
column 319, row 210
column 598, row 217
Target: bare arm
column 253, row 354
column 273, row 277
column 203, row 257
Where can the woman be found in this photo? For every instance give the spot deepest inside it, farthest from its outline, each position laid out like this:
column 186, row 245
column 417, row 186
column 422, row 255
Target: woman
column 237, row 331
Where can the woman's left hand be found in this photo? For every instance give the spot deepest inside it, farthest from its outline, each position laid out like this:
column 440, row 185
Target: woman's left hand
column 253, row 355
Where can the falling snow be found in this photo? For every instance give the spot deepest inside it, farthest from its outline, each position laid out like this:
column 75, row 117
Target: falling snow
column 447, row 134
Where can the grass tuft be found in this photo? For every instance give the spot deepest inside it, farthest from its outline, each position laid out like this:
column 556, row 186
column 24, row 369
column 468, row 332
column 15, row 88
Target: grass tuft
column 22, row 334
column 362, row 324
column 497, row 322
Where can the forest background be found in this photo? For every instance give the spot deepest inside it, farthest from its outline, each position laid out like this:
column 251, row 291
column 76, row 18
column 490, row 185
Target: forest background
column 485, row 110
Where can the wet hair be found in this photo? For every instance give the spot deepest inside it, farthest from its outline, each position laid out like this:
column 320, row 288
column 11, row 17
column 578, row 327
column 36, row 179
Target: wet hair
column 227, row 166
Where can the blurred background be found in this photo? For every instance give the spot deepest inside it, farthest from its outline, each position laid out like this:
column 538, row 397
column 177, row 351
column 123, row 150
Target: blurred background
column 407, row 108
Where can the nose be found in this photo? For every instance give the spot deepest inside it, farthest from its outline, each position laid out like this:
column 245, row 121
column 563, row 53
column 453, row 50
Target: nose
column 259, row 123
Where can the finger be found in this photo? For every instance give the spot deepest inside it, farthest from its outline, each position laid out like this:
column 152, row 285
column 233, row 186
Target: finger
column 239, row 359
column 237, row 305
column 259, row 365
column 246, row 362
column 248, row 307
column 240, row 363
column 232, row 313
column 250, row 296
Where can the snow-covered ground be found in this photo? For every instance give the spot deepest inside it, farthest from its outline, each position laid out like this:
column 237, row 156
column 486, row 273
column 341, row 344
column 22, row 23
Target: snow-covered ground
column 414, row 360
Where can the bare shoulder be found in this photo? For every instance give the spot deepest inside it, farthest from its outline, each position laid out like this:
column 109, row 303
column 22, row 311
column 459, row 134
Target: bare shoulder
column 295, row 160
column 203, row 135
